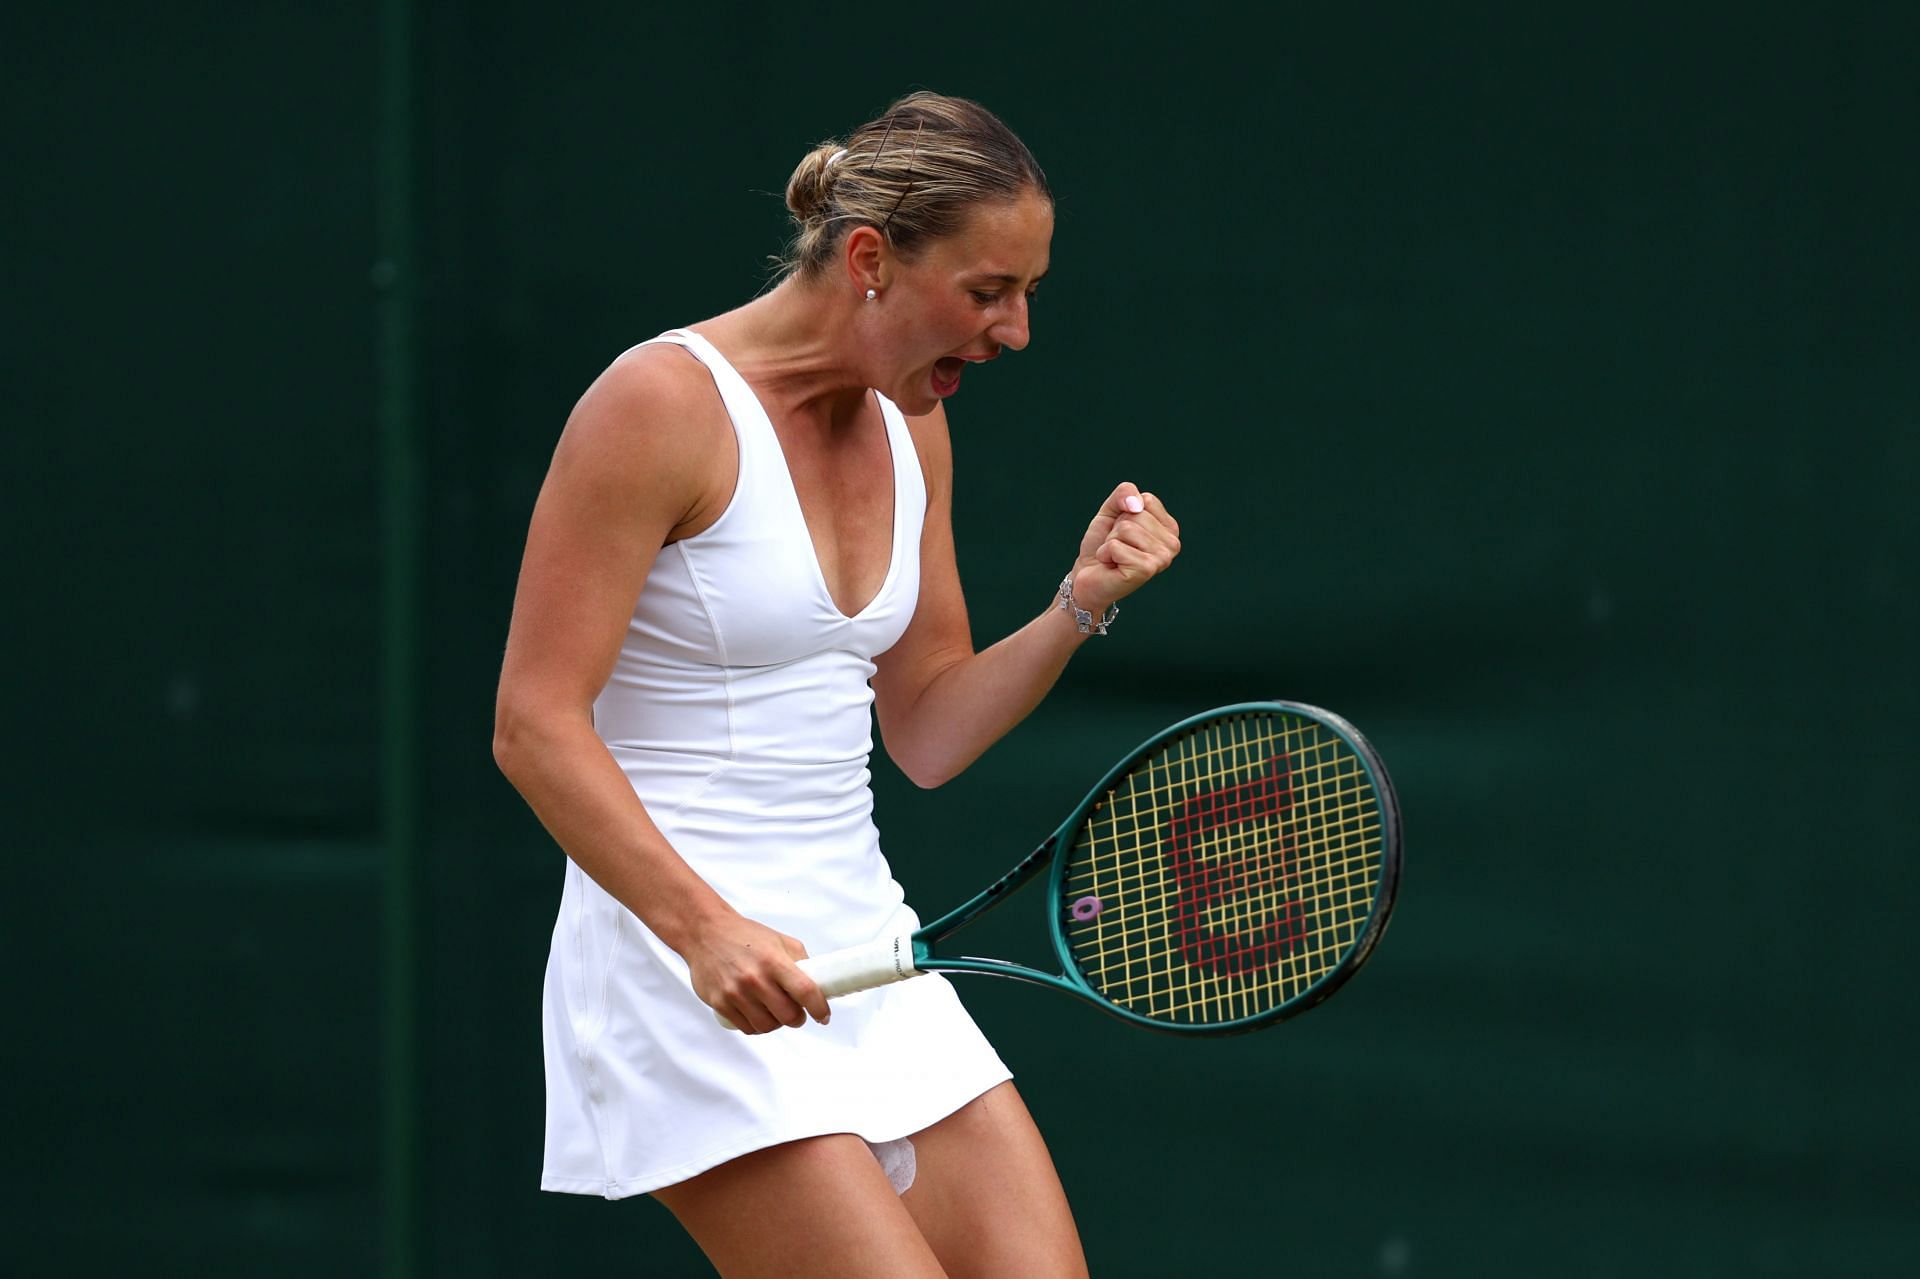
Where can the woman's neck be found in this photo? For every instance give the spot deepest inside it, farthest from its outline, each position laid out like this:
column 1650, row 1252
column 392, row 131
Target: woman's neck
column 796, row 346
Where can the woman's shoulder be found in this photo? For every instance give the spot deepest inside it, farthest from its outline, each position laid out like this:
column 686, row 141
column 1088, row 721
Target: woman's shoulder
column 652, row 420
column 657, row 393
column 654, row 374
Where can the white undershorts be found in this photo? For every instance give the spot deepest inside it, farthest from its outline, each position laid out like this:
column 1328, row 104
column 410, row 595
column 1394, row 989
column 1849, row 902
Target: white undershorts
column 897, row 1161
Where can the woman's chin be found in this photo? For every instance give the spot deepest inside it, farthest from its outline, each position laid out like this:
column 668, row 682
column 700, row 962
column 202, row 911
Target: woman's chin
column 916, row 401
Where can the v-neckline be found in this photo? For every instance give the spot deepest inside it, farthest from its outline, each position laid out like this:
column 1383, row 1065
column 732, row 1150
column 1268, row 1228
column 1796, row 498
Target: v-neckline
column 793, row 490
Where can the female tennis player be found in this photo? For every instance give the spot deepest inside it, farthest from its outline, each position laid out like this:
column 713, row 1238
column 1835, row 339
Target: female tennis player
column 741, row 554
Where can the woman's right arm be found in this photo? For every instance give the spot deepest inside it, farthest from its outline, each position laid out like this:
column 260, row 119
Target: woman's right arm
column 639, row 464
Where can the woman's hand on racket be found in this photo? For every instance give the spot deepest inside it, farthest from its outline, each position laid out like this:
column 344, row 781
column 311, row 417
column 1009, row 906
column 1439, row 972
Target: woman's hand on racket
column 1130, row 541
column 745, row 971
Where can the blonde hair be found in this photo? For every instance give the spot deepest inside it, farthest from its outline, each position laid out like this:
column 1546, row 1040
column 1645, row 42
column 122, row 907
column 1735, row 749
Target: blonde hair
column 914, row 174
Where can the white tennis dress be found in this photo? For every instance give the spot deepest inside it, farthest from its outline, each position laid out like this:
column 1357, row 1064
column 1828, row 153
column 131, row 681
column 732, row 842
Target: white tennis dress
column 740, row 712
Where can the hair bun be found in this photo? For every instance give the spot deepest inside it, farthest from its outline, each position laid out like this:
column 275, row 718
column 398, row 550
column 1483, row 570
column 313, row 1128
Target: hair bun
column 812, row 179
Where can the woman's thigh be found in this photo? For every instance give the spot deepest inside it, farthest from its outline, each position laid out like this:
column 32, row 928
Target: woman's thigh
column 987, row 1198
column 821, row 1207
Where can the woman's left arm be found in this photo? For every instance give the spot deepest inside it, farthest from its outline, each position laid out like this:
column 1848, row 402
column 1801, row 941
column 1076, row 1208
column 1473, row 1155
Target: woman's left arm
column 940, row 703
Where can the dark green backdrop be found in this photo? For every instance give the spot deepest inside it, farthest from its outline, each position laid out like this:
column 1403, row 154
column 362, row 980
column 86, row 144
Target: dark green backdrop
column 1540, row 393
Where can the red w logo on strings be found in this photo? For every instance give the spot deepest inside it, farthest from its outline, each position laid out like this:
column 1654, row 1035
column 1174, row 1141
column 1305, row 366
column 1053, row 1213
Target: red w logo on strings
column 1232, row 853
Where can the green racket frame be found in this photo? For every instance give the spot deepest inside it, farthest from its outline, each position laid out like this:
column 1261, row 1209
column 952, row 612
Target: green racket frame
column 1052, row 852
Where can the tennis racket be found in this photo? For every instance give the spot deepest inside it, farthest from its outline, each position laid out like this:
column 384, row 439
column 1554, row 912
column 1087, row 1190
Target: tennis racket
column 1234, row 870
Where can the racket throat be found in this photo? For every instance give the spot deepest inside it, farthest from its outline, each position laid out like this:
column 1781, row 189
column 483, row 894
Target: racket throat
column 954, row 920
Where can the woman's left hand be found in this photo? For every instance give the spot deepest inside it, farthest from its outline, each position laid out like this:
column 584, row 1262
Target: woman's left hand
column 1132, row 539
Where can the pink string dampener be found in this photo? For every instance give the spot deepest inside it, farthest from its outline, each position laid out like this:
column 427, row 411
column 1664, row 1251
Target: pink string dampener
column 1086, row 908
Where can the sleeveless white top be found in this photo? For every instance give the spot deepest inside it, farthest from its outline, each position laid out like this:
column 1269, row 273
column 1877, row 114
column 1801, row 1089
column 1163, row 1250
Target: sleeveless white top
column 740, row 711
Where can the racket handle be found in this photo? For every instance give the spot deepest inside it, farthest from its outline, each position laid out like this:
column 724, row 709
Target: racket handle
column 842, row 972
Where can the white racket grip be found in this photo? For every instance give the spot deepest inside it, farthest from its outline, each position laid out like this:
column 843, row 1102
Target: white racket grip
column 878, row 963
column 842, row 972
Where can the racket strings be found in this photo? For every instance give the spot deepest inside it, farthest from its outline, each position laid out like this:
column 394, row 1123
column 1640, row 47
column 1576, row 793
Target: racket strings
column 1233, row 870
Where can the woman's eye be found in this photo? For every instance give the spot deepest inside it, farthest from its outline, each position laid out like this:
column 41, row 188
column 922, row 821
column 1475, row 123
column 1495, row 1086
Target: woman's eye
column 985, row 299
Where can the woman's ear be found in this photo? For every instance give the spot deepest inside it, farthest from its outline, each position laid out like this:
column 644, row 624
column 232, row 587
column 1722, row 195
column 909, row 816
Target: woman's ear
column 868, row 265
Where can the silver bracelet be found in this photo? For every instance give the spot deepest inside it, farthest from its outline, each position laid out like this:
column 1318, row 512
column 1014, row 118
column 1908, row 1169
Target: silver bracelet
column 1087, row 622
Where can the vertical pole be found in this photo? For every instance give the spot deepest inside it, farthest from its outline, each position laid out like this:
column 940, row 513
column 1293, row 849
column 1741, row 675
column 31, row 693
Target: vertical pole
column 396, row 295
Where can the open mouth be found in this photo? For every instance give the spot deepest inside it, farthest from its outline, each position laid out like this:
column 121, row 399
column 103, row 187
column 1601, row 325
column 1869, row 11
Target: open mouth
column 946, row 374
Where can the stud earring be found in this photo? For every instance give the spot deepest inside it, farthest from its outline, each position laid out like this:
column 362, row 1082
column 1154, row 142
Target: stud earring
column 871, row 295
